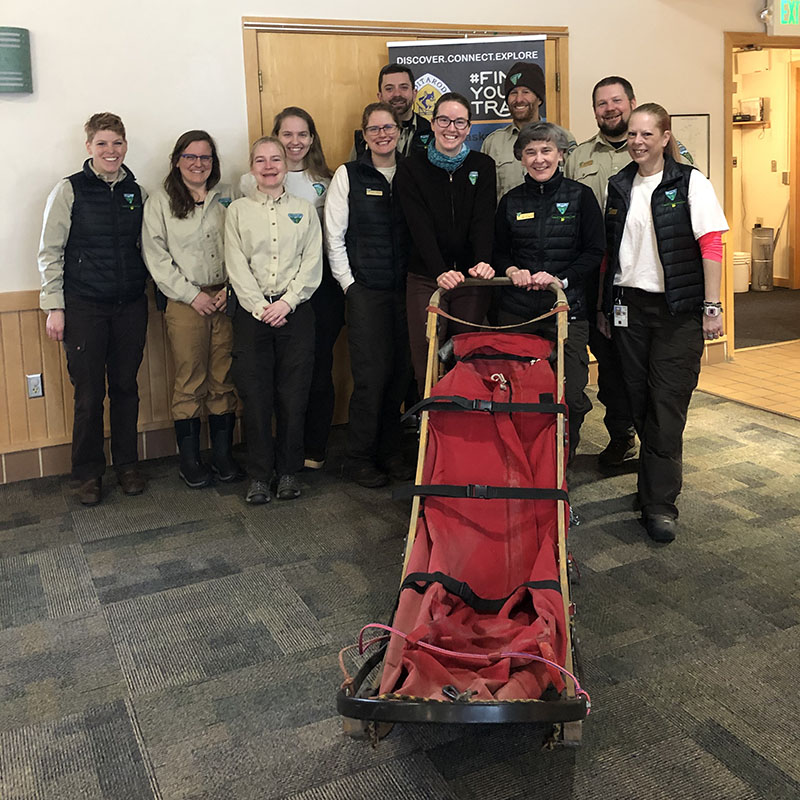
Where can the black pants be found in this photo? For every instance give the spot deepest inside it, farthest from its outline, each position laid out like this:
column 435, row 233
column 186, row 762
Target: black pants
column 272, row 372
column 104, row 341
column 611, row 385
column 380, row 361
column 660, row 355
column 328, row 305
column 576, row 366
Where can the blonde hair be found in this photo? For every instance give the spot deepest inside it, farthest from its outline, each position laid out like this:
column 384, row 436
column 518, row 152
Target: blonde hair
column 663, row 123
column 267, row 140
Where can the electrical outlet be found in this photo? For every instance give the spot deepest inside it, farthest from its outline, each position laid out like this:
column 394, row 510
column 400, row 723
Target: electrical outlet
column 774, row 165
column 35, row 385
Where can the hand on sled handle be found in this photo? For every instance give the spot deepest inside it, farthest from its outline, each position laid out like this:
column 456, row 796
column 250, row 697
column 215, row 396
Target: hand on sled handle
column 542, row 280
column 450, row 279
column 521, row 278
column 482, row 270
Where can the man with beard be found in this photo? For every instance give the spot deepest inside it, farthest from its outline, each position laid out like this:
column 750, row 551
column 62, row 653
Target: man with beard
column 396, row 87
column 592, row 163
column 524, row 88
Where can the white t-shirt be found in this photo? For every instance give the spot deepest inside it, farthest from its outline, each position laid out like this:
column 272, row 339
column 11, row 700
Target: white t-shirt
column 300, row 184
column 337, row 218
column 639, row 264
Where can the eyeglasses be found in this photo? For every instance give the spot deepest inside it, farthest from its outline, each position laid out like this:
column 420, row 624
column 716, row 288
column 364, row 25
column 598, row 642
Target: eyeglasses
column 191, row 158
column 374, row 130
column 459, row 124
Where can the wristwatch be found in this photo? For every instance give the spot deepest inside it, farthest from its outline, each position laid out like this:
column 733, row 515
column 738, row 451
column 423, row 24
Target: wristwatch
column 712, row 309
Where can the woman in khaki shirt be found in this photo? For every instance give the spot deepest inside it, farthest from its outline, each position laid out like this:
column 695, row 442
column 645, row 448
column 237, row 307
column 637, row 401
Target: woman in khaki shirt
column 183, row 238
column 273, row 252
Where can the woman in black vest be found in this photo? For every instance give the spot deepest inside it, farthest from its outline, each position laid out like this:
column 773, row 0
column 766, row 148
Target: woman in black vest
column 93, row 279
column 367, row 241
column 664, row 226
column 448, row 195
column 550, row 229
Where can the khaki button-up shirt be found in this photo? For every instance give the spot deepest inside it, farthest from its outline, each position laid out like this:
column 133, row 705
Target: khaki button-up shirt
column 55, row 233
column 500, row 146
column 184, row 255
column 593, row 162
column 272, row 247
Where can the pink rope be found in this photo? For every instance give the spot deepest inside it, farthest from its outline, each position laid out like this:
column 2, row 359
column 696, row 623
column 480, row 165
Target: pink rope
column 580, row 692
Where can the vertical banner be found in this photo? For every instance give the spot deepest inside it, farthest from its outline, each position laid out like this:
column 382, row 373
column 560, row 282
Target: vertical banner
column 475, row 68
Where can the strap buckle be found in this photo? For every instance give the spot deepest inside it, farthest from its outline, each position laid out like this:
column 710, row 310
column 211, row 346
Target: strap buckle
column 479, row 490
column 479, row 404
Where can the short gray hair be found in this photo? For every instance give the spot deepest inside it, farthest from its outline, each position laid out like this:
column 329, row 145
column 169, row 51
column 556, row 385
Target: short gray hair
column 541, row 132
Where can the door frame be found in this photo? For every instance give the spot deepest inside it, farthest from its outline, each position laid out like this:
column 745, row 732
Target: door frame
column 251, row 26
column 732, row 42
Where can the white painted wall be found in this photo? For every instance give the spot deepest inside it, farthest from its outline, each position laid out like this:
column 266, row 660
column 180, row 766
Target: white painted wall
column 169, row 65
column 760, row 193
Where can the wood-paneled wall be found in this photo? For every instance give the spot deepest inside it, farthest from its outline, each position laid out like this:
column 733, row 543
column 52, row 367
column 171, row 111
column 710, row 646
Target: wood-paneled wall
column 28, row 423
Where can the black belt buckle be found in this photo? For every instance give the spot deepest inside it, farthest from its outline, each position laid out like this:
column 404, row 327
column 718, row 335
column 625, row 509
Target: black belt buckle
column 271, row 298
column 482, row 405
column 478, row 490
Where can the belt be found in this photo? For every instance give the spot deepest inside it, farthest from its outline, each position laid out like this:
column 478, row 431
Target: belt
column 213, row 288
column 271, row 298
column 632, row 290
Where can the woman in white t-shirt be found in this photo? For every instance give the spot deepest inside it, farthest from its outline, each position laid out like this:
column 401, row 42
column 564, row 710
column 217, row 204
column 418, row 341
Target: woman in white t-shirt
column 309, row 177
column 664, row 230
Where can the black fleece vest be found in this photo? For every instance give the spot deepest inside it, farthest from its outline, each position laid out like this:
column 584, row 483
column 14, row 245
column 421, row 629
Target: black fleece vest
column 101, row 258
column 377, row 236
column 678, row 250
column 545, row 224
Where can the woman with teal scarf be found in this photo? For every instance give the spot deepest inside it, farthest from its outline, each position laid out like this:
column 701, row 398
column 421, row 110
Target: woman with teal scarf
column 448, row 197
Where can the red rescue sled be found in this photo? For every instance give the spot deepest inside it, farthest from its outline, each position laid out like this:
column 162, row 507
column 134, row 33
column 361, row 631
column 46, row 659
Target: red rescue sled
column 483, row 630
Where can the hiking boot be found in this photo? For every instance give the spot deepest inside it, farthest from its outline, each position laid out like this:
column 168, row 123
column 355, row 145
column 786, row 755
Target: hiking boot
column 220, row 427
column 193, row 471
column 661, row 528
column 90, row 492
column 258, row 493
column 617, row 452
column 398, row 468
column 288, row 488
column 366, row 474
column 131, row 480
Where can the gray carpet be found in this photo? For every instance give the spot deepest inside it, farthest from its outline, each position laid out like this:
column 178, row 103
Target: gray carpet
column 182, row 645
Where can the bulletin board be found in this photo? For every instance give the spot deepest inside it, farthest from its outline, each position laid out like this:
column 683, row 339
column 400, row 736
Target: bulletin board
column 693, row 131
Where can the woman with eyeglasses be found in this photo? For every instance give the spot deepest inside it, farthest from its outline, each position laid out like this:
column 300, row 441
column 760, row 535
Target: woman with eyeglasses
column 367, row 241
column 448, row 196
column 183, row 245
column 273, row 252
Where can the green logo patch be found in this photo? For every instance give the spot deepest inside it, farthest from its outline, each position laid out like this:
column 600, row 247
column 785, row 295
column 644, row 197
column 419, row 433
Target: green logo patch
column 671, row 194
column 473, row 177
column 319, row 188
column 515, row 77
column 225, row 201
column 295, row 218
column 562, row 207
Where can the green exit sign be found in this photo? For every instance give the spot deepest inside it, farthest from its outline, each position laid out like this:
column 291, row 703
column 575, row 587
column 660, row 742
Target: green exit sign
column 789, row 13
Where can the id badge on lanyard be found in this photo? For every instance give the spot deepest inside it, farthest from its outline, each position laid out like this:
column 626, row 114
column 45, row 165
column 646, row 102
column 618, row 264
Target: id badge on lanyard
column 620, row 314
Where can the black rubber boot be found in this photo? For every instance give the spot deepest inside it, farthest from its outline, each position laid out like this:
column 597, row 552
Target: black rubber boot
column 194, row 472
column 222, row 461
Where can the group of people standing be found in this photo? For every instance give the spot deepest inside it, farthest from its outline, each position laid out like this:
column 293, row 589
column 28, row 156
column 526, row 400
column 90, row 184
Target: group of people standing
column 255, row 290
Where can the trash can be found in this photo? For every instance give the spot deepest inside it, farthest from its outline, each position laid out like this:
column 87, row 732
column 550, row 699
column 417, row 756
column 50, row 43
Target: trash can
column 762, row 271
column 741, row 272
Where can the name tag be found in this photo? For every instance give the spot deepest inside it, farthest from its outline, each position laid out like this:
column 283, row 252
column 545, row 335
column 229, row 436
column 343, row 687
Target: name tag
column 374, row 192
column 612, row 212
column 586, row 163
column 620, row 316
column 526, row 214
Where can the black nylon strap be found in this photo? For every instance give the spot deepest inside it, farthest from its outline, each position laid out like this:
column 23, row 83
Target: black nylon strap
column 479, row 491
column 458, row 403
column 463, row 590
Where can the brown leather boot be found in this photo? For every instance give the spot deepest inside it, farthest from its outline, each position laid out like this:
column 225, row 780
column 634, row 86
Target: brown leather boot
column 90, row 492
column 131, row 480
